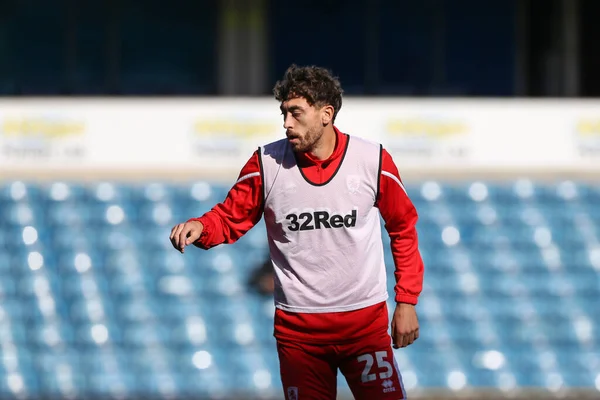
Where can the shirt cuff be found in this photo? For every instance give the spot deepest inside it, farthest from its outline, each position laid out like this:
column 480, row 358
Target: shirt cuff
column 406, row 298
column 202, row 240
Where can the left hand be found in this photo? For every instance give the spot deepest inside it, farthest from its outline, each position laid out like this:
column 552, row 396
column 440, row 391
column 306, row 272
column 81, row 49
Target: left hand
column 405, row 325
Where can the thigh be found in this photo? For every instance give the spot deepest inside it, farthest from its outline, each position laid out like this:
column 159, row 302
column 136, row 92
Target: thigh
column 371, row 370
column 308, row 372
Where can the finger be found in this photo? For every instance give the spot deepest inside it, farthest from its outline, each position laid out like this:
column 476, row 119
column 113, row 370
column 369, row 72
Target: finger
column 417, row 334
column 410, row 339
column 172, row 235
column 173, row 231
column 404, row 340
column 394, row 336
column 192, row 237
column 176, row 236
column 398, row 340
column 183, row 236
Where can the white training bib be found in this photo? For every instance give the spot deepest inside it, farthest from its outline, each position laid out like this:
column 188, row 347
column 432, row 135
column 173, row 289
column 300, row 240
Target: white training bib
column 325, row 240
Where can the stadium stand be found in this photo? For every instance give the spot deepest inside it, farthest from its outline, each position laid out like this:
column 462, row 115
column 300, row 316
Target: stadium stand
column 95, row 301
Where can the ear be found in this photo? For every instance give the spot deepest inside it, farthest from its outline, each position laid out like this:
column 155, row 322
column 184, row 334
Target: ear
column 327, row 114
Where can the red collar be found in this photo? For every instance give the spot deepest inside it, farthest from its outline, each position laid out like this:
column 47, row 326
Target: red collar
column 306, row 159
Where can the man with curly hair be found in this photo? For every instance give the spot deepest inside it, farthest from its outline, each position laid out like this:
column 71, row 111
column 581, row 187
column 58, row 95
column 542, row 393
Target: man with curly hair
column 322, row 193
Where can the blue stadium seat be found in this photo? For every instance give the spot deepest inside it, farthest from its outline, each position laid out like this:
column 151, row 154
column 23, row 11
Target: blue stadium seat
column 18, row 191
column 112, row 383
column 145, row 335
column 95, row 301
column 108, row 192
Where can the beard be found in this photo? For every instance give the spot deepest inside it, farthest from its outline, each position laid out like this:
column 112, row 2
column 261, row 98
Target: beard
column 306, row 142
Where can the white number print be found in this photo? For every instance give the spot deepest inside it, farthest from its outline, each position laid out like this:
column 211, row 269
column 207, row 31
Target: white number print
column 381, row 364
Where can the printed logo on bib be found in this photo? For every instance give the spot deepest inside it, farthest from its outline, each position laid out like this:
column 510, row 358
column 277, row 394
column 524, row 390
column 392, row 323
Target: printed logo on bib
column 292, row 393
column 308, row 221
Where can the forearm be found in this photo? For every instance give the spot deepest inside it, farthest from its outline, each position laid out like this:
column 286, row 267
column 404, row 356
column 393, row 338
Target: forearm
column 222, row 226
column 400, row 218
column 408, row 263
column 228, row 221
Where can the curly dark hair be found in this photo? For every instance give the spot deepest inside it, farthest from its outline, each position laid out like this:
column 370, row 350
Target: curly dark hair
column 317, row 85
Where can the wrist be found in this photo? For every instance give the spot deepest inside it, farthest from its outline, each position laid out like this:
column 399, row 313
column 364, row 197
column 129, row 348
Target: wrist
column 196, row 221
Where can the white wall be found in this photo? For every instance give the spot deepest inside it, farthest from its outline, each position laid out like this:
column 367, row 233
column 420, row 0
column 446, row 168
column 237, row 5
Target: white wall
column 213, row 137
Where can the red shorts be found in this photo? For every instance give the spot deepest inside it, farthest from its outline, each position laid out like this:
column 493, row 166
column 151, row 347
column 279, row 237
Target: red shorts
column 309, row 371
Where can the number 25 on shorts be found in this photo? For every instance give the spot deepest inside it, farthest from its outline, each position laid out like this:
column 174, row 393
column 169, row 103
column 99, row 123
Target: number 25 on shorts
column 382, row 365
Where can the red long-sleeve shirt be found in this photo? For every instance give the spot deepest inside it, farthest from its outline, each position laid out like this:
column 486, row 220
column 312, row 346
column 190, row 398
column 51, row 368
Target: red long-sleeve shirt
column 243, row 208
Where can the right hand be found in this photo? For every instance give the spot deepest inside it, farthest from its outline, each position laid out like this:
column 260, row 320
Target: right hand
column 185, row 234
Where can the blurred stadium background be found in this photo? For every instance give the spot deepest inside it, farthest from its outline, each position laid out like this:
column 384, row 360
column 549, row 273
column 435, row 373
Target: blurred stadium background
column 120, row 118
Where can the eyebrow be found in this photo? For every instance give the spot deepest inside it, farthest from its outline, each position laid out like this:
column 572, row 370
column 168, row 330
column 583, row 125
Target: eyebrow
column 291, row 108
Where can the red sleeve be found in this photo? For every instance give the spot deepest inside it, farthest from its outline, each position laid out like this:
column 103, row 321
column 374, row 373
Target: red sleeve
column 228, row 221
column 400, row 217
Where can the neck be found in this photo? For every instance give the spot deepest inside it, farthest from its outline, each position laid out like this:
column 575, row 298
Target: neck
column 324, row 147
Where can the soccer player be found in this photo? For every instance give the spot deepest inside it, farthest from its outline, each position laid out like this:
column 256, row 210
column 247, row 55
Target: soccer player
column 321, row 192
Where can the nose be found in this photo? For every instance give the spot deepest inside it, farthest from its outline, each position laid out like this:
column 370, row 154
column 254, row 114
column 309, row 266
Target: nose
column 288, row 121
